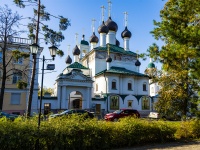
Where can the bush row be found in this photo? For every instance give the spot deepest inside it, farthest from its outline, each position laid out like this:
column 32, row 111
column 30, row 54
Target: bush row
column 75, row 133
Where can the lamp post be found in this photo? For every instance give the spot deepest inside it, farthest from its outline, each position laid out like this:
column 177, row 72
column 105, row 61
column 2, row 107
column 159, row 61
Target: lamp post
column 34, row 50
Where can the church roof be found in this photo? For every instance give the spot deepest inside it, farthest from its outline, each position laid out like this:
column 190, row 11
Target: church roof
column 121, row 70
column 84, row 42
column 116, row 49
column 77, row 66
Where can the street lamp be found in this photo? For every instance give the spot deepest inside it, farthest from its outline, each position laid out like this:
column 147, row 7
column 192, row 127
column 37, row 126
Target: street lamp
column 34, row 50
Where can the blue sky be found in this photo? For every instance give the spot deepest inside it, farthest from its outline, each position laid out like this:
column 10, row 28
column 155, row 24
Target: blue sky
column 141, row 14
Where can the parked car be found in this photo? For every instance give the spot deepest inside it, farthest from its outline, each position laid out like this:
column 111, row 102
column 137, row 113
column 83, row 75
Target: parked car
column 116, row 115
column 86, row 113
column 175, row 117
column 8, row 116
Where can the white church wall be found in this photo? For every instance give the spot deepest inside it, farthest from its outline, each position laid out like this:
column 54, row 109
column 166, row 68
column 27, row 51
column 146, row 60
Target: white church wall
column 100, row 65
column 134, row 103
column 125, row 81
column 101, row 85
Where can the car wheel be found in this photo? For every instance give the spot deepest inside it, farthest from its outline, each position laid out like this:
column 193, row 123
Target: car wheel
column 115, row 120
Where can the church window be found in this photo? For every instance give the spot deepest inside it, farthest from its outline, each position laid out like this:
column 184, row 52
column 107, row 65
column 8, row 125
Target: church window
column 145, row 103
column 144, row 86
column 129, row 86
column 152, row 91
column 96, row 87
column 114, row 84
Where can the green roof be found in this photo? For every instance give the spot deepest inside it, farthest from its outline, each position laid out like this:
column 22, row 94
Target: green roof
column 77, row 66
column 84, row 42
column 151, row 65
column 115, row 49
column 120, row 70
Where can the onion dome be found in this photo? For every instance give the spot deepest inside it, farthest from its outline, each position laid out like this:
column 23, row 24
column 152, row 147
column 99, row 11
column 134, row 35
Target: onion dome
column 68, row 60
column 126, row 33
column 111, row 25
column 76, row 50
column 137, row 63
column 151, row 65
column 94, row 38
column 103, row 28
column 117, row 42
column 108, row 59
column 83, row 41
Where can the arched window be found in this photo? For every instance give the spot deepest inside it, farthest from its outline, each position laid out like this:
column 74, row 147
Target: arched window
column 145, row 103
column 17, row 76
column 114, row 86
column 129, row 85
column 96, row 87
column 144, row 86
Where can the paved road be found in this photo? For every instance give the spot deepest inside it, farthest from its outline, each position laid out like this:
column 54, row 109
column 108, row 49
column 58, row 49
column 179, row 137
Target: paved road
column 183, row 145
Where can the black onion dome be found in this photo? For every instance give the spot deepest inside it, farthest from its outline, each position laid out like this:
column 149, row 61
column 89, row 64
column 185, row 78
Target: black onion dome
column 94, row 38
column 103, row 28
column 68, row 60
column 111, row 25
column 108, row 59
column 117, row 42
column 126, row 33
column 137, row 63
column 76, row 50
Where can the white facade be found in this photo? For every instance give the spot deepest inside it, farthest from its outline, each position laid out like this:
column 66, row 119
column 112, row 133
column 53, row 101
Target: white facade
column 93, row 81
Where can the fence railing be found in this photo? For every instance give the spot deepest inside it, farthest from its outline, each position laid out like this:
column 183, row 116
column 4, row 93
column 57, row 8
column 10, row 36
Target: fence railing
column 18, row 40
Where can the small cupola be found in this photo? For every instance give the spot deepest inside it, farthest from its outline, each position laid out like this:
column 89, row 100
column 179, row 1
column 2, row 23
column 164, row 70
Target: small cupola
column 111, row 25
column 137, row 63
column 68, row 60
column 94, row 38
column 109, row 59
column 103, row 28
column 76, row 50
column 126, row 33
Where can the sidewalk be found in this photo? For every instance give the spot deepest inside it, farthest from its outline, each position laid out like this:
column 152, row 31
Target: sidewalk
column 179, row 145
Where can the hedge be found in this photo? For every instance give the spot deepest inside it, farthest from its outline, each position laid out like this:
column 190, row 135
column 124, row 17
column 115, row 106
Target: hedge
column 75, row 133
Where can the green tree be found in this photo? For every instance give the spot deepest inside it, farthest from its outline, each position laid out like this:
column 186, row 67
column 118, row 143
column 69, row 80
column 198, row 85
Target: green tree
column 50, row 36
column 8, row 23
column 179, row 28
column 46, row 90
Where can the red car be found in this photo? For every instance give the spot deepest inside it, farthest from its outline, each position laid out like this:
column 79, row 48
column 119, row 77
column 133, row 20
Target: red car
column 121, row 113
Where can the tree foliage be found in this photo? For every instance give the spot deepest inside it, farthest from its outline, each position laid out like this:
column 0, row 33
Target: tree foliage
column 179, row 28
column 36, row 27
column 46, row 91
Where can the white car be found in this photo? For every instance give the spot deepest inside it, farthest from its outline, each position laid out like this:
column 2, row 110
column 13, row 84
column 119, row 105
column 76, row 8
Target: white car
column 154, row 115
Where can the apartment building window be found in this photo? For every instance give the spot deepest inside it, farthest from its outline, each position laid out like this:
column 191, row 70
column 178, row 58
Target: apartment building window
column 18, row 61
column 17, row 77
column 96, row 87
column 129, row 86
column 144, row 86
column 15, row 98
column 114, row 84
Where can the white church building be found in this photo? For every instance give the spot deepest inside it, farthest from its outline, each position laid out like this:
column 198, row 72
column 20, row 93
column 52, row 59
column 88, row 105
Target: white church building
column 103, row 76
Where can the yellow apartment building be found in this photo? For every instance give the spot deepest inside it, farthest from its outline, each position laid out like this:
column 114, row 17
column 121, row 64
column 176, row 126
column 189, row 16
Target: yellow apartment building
column 15, row 99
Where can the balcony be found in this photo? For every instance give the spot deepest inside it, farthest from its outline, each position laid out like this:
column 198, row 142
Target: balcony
column 17, row 40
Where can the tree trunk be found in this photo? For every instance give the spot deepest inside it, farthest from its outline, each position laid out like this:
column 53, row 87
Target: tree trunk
column 34, row 66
